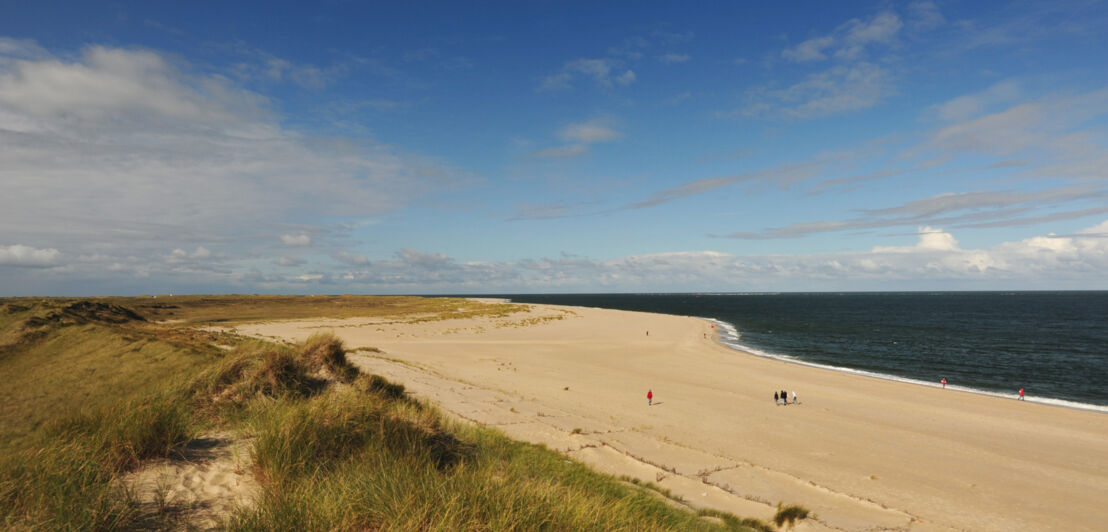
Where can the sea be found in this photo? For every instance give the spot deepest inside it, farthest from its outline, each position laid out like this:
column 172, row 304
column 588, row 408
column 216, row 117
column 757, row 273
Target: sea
column 1054, row 345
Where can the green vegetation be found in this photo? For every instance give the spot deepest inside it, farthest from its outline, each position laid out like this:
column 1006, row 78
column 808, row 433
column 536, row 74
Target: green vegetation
column 790, row 515
column 94, row 388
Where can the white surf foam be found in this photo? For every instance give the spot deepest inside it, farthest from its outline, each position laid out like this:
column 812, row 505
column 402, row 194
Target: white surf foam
column 730, row 336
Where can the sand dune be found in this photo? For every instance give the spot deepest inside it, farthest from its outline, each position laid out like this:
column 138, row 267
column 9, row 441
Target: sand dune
column 204, row 485
column 862, row 453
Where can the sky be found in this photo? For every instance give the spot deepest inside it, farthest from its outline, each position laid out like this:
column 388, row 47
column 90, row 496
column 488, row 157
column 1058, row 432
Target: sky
column 552, row 147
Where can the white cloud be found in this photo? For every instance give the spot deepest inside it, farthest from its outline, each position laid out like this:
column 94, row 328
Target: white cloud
column 857, row 34
column 302, row 239
column 840, row 89
column 350, row 258
column 600, row 70
column 580, row 134
column 596, row 130
column 258, row 64
column 849, row 40
column 972, row 105
column 933, row 261
column 670, row 59
column 925, row 15
column 809, row 50
column 20, row 255
column 199, row 254
column 125, row 154
column 561, row 152
column 929, row 240
column 289, row 261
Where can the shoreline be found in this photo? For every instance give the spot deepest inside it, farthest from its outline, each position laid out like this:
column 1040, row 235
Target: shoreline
column 751, row 351
column 860, row 452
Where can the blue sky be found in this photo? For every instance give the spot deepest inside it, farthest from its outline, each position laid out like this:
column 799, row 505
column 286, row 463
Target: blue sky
column 342, row 147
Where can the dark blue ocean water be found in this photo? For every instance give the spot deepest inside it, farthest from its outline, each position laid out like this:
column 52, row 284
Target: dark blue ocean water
column 1052, row 344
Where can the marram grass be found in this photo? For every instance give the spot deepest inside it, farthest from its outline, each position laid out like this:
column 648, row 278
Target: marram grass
column 354, row 456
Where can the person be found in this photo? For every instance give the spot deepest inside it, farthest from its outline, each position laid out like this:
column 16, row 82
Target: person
column 1021, row 394
column 944, row 382
column 775, row 397
column 794, row 397
column 649, row 397
column 784, row 397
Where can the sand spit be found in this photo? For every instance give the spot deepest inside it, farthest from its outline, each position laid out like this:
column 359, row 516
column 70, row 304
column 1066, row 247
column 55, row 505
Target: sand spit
column 861, row 453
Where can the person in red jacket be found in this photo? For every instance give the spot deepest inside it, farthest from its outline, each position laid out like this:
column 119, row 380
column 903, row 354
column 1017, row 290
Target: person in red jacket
column 649, row 397
column 1021, row 394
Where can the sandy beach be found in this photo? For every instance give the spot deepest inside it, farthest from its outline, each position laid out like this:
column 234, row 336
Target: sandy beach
column 861, row 453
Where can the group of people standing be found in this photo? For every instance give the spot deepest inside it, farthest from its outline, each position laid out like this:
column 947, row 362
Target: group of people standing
column 783, row 397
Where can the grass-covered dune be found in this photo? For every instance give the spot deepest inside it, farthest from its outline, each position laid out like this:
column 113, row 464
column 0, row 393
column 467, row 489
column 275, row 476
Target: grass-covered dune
column 96, row 389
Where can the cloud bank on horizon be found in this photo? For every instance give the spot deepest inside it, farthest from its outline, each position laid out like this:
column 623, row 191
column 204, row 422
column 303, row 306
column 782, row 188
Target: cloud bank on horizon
column 912, row 146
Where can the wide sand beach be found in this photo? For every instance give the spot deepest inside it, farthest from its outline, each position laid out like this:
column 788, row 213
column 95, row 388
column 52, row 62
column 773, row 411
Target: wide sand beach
column 861, row 453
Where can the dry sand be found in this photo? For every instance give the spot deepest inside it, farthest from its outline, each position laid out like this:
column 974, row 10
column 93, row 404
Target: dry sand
column 202, row 486
column 861, row 453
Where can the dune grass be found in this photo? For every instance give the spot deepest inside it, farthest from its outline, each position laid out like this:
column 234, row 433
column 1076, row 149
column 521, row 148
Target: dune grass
column 98, row 392
column 789, row 515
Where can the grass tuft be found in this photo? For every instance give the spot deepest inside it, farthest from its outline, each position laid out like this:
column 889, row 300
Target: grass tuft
column 377, row 384
column 790, row 515
column 325, row 351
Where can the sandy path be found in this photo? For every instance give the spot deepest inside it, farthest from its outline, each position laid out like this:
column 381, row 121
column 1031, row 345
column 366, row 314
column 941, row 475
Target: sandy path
column 862, row 453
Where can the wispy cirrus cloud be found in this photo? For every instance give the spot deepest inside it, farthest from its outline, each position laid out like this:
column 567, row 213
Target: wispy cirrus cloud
column 856, row 80
column 580, row 135
column 849, row 40
column 840, row 89
column 595, row 130
column 671, row 58
column 968, row 209
column 561, row 152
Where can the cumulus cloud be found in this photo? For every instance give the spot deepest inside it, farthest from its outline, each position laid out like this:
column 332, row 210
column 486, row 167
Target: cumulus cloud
column 929, row 240
column 180, row 255
column 934, row 260
column 302, row 239
column 123, row 153
column 20, row 255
